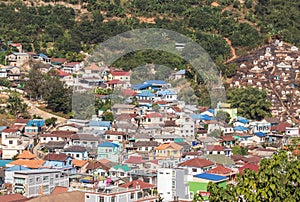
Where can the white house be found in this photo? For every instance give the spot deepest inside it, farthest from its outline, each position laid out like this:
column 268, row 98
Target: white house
column 186, row 127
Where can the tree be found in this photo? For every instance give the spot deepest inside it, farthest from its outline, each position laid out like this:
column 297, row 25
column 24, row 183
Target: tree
column 251, row 103
column 277, row 180
column 51, row 121
column 240, row 150
column 16, row 105
column 5, row 82
column 223, row 116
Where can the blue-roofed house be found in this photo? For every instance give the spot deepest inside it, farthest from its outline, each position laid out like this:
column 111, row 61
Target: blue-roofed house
column 141, row 86
column 167, row 95
column 241, row 121
column 44, row 58
column 179, row 74
column 34, row 126
column 156, row 84
column 259, row 137
column 145, row 95
column 240, row 129
column 109, row 150
column 200, row 182
column 97, row 124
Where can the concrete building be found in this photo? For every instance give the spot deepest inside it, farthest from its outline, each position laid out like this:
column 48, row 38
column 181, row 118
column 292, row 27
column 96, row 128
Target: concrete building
column 173, row 182
column 32, row 183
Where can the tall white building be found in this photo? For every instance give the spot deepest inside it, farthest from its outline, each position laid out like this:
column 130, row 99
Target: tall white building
column 173, row 183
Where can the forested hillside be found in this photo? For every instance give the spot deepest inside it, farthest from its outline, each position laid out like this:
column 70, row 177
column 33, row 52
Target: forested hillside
column 65, row 28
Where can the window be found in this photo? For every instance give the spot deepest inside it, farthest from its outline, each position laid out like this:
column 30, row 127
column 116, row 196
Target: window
column 46, row 188
column 113, row 199
column 194, row 169
column 107, row 137
column 19, row 180
column 173, row 184
column 10, row 142
column 31, row 181
column 149, row 120
column 119, row 137
column 38, row 179
column 44, row 138
column 160, row 119
column 56, row 175
column 51, row 181
column 77, row 155
column 45, row 178
column 51, row 138
column 101, row 199
column 132, row 196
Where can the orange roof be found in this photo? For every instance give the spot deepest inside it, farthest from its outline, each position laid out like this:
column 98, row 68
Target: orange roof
column 13, row 198
column 167, row 145
column 59, row 189
column 104, row 161
column 220, row 170
column 79, row 163
column 26, row 155
column 28, row 163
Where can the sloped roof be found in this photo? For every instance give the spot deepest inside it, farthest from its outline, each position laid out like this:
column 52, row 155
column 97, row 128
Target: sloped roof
column 153, row 115
column 167, row 145
column 215, row 148
column 79, row 163
column 120, row 73
column 220, row 170
column 56, row 157
column 137, row 183
column 26, row 155
column 28, row 163
column 96, row 165
column 123, row 167
column 220, row 159
column 249, row 166
column 75, row 149
column 197, row 162
column 135, row 160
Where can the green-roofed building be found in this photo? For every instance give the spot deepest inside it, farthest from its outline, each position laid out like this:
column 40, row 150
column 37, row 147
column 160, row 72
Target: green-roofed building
column 120, row 171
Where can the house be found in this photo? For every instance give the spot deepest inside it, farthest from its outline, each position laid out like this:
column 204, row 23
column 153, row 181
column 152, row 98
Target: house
column 217, row 149
column 13, row 143
column 88, row 141
column 116, row 83
column 260, row 126
column 186, row 127
column 167, row 95
column 145, row 95
column 197, row 165
column 169, row 150
column 200, row 182
column 98, row 125
column 17, row 59
column 145, row 146
column 109, row 150
column 259, row 137
column 221, row 170
column 72, row 67
column 227, row 108
column 58, row 136
column 172, row 182
column 77, row 152
column 119, row 75
column 120, row 170
column 96, row 167
column 54, row 146
column 80, row 165
column 34, row 126
column 32, row 183
column 135, row 161
column 122, row 109
column 60, row 162
column 153, row 118
column 227, row 140
column 179, row 74
column 115, row 136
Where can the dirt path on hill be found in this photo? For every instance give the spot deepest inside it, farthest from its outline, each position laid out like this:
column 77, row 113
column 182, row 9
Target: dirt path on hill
column 232, row 50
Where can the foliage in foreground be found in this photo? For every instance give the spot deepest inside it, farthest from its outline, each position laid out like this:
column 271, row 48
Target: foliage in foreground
column 277, row 180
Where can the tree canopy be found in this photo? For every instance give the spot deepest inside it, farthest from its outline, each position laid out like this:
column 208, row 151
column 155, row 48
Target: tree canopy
column 277, row 180
column 251, row 103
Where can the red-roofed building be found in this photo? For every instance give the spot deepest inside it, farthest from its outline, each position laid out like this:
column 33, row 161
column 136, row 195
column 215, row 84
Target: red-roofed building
column 120, row 75
column 221, row 170
column 197, row 165
column 215, row 149
column 281, row 127
column 129, row 92
column 116, row 83
column 59, row 189
column 139, row 184
column 153, row 119
column 134, row 160
column 61, row 73
column 227, row 140
column 249, row 166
